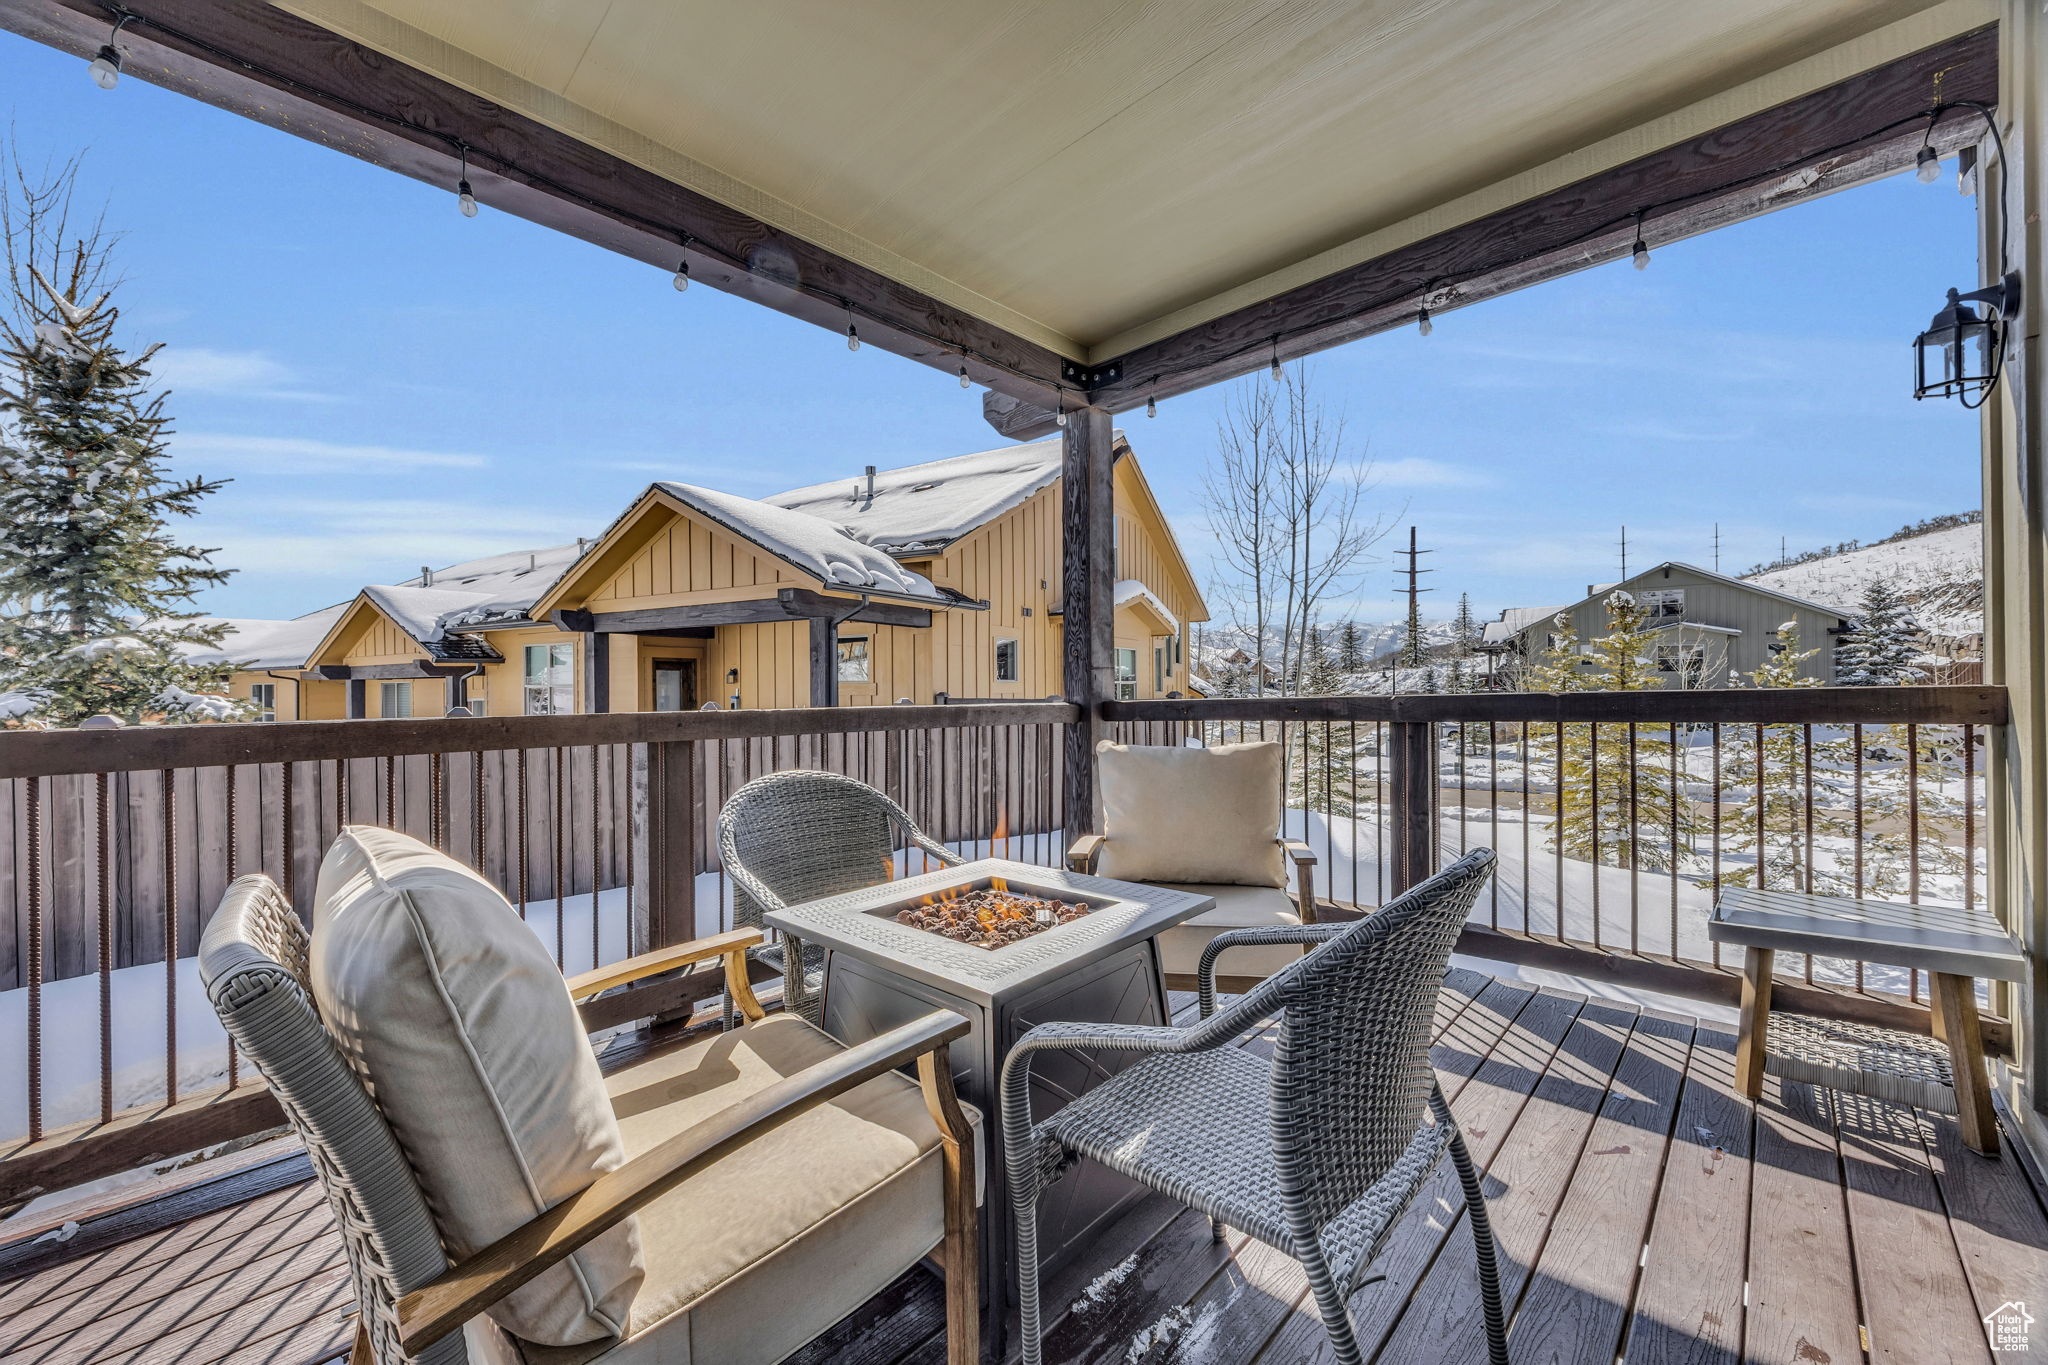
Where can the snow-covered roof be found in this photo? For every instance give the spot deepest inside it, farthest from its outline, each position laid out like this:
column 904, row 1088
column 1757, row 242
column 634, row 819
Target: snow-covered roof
column 263, row 644
column 434, row 617
column 1513, row 621
column 504, row 585
column 922, row 508
column 1696, row 625
column 1129, row 590
column 823, row 548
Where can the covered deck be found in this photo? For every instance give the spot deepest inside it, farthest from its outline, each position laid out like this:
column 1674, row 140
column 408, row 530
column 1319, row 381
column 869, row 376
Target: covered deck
column 1647, row 1212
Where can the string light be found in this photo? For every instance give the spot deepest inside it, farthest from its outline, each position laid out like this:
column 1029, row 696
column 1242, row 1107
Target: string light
column 681, row 279
column 1060, row 417
column 1278, row 374
column 1639, row 254
column 464, row 198
column 107, row 76
column 965, row 382
column 1927, row 161
column 852, row 336
column 1151, row 406
column 1422, row 322
column 106, row 65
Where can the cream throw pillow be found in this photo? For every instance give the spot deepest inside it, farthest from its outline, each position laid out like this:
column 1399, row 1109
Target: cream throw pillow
column 457, row 1018
column 1191, row 815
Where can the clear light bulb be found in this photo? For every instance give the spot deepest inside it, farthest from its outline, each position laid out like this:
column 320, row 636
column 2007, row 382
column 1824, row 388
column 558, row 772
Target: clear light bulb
column 1278, row 374
column 1639, row 255
column 1061, row 419
column 682, row 277
column 1422, row 322
column 1927, row 165
column 852, row 338
column 465, row 200
column 106, row 67
column 1151, row 407
column 965, row 382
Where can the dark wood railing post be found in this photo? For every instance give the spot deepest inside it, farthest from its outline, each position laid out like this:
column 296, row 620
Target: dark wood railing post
column 1412, row 791
column 1087, row 592
column 671, row 843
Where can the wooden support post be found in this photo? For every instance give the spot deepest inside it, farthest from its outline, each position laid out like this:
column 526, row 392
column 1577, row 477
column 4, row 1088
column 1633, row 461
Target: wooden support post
column 358, row 698
column 671, row 844
column 1955, row 1023
column 1754, row 1030
column 1087, row 590
column 597, row 673
column 1412, row 765
column 824, row 661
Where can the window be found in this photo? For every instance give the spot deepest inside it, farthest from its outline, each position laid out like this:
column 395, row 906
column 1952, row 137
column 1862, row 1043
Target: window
column 478, row 697
column 1662, row 602
column 855, row 665
column 394, row 700
column 1127, row 675
column 1007, row 667
column 675, row 684
column 1160, row 667
column 1688, row 660
column 263, row 696
column 550, row 680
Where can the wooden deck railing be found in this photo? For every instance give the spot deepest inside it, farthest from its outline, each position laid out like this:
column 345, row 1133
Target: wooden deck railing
column 601, row 827
column 1616, row 816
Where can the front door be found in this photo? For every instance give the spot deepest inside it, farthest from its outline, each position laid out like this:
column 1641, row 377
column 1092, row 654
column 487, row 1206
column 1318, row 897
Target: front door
column 675, row 684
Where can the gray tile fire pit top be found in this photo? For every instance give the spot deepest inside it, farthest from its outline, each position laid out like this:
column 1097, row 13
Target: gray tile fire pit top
column 1125, row 913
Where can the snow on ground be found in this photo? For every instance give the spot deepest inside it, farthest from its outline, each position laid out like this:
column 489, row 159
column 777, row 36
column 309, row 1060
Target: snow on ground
column 1941, row 573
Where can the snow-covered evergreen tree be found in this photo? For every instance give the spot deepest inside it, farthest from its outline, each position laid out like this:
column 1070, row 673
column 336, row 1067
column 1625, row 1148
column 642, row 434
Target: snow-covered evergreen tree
column 1351, row 649
column 1613, row 789
column 1765, row 772
column 1464, row 629
column 1879, row 649
column 95, row 593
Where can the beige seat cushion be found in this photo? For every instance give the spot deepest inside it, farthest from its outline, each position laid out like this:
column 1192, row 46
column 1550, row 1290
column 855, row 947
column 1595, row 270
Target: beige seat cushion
column 1191, row 815
column 1237, row 907
column 769, row 1247
column 459, row 1021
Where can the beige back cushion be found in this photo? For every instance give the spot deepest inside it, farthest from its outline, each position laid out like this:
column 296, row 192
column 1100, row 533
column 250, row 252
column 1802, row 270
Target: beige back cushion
column 1191, row 815
column 459, row 1021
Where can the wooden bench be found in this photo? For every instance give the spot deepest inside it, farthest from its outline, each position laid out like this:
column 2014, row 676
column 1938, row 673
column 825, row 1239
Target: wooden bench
column 1955, row 947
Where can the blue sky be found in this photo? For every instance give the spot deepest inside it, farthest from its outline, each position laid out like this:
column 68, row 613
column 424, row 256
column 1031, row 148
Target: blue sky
column 389, row 384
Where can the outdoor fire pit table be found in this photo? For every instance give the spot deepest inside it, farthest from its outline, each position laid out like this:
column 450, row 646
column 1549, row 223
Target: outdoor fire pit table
column 1099, row 967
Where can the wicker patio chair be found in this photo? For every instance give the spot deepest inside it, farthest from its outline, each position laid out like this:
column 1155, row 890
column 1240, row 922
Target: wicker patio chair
column 1317, row 1151
column 776, row 1119
column 795, row 836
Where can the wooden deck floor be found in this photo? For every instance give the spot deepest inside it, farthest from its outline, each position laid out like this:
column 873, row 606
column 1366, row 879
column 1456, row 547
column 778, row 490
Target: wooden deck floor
column 1646, row 1212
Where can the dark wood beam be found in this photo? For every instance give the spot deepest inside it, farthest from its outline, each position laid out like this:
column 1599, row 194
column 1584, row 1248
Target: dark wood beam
column 1861, row 128
column 358, row 699
column 597, row 673
column 793, row 604
column 1087, row 571
column 46, row 753
column 419, row 668
column 824, row 661
column 270, row 66
column 1981, row 705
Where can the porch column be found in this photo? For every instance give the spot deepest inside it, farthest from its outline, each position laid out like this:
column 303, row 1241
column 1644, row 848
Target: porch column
column 1087, row 592
column 2016, row 551
column 358, row 699
column 597, row 672
column 824, row 661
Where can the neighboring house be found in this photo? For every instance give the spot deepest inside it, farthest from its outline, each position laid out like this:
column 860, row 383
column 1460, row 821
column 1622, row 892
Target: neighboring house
column 268, row 656
column 1711, row 630
column 935, row 582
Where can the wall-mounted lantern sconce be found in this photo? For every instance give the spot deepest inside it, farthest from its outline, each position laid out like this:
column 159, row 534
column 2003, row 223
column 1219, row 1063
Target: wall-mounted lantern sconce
column 732, row 675
column 1962, row 351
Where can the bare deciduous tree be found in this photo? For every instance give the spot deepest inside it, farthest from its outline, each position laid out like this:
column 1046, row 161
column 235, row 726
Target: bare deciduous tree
column 1285, row 496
